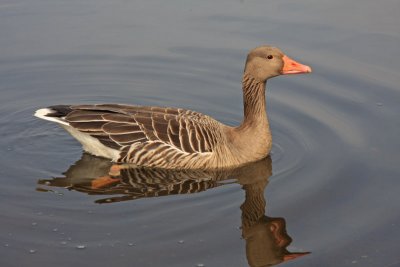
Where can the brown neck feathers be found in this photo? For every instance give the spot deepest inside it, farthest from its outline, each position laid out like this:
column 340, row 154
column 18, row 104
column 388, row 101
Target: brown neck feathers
column 253, row 100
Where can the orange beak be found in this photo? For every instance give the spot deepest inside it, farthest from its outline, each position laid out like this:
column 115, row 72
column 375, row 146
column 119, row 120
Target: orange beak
column 292, row 67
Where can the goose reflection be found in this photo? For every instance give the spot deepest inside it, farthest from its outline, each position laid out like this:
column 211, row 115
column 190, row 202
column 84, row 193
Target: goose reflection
column 266, row 237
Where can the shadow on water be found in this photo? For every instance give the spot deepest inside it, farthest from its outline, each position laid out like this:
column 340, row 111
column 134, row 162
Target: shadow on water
column 266, row 237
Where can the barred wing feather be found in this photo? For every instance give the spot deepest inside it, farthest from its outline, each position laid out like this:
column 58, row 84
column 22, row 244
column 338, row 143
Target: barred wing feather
column 120, row 126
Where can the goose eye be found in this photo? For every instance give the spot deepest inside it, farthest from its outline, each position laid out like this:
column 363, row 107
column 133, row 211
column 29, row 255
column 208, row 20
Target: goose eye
column 270, row 56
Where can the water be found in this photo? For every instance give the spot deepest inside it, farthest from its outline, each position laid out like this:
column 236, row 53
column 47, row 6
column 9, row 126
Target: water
column 334, row 187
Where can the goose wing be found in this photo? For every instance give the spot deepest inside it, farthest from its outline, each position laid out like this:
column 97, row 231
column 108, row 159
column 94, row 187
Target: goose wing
column 118, row 126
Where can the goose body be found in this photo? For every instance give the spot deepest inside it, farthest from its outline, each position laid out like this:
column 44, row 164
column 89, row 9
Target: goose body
column 176, row 138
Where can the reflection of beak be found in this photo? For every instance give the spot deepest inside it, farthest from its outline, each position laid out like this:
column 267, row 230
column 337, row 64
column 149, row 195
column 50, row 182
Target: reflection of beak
column 292, row 67
column 294, row 255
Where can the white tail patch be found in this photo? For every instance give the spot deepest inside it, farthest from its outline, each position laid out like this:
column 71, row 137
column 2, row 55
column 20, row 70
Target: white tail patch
column 92, row 145
column 43, row 112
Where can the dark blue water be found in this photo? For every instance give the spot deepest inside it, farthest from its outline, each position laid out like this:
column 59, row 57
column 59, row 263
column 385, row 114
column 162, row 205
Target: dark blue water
column 335, row 158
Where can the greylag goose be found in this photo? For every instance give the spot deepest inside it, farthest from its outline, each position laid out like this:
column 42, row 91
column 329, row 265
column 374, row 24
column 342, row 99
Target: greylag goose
column 175, row 138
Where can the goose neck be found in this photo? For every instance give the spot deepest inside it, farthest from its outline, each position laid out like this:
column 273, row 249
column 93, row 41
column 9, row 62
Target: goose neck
column 253, row 101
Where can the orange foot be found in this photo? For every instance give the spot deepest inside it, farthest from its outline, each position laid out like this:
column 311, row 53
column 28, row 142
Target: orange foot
column 103, row 181
column 115, row 170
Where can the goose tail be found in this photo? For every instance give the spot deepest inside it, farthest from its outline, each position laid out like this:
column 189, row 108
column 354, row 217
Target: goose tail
column 54, row 113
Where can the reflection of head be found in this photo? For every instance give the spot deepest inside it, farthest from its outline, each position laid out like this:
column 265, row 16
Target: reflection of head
column 266, row 237
column 266, row 242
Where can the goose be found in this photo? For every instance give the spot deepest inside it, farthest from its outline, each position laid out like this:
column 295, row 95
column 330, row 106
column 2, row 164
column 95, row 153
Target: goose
column 175, row 138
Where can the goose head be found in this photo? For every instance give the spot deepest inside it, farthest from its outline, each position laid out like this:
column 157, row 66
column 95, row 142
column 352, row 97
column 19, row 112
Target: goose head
column 265, row 62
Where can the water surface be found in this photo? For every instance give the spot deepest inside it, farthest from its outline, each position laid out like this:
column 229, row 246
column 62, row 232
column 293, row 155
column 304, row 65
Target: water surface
column 333, row 189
